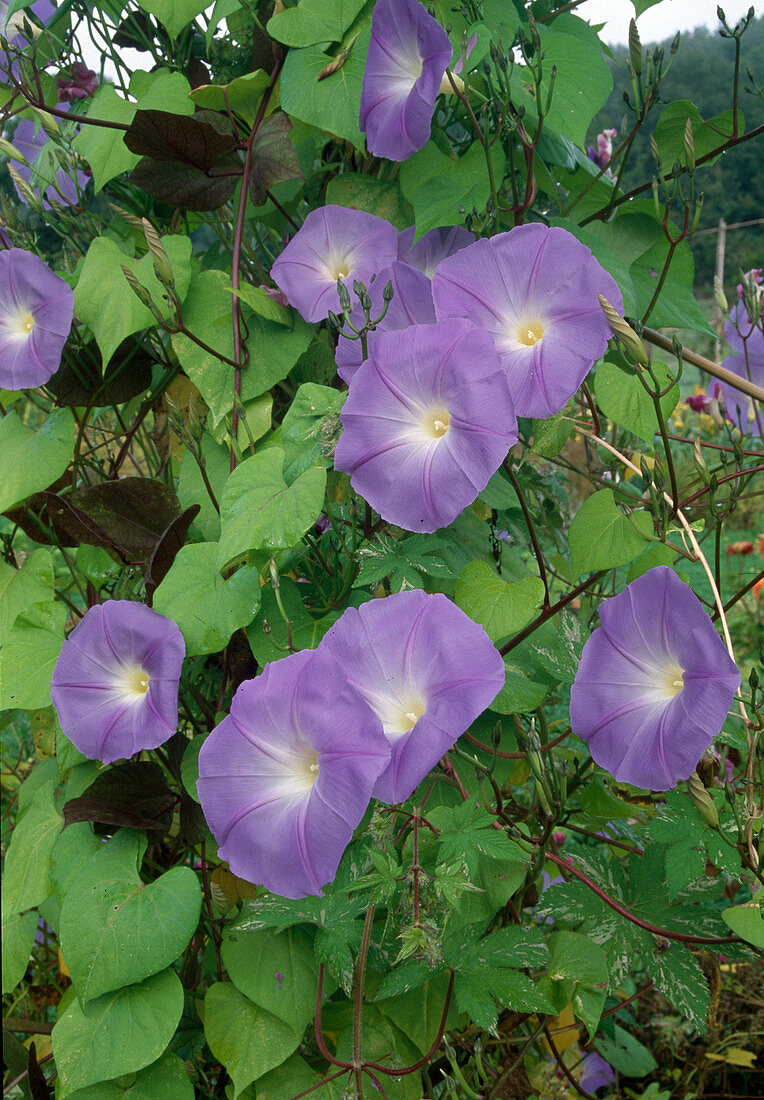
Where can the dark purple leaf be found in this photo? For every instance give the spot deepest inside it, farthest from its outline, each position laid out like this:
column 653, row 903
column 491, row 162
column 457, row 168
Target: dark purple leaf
column 130, row 795
column 198, row 140
column 185, row 187
column 131, row 513
column 165, row 551
column 136, row 32
column 81, row 380
column 273, row 157
column 38, row 1086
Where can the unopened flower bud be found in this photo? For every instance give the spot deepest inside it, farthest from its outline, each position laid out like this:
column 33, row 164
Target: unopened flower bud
column 275, row 578
column 719, row 295
column 635, row 47
column 158, row 255
column 689, row 145
column 387, row 292
column 700, row 462
column 702, row 801
column 344, row 294
column 632, row 345
column 12, row 152
column 139, row 289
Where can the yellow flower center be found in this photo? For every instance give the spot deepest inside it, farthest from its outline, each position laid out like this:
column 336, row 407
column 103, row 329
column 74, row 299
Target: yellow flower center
column 529, row 332
column 410, row 713
column 436, row 423
column 135, row 681
column 305, row 771
column 339, row 268
column 21, row 324
column 670, row 680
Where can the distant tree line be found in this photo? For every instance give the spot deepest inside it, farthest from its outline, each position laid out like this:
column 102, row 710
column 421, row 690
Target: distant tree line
column 702, row 71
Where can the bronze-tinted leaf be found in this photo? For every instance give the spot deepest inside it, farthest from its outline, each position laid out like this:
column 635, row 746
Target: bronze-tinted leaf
column 81, row 380
column 173, row 539
column 273, row 157
column 186, row 187
column 130, row 795
column 198, row 140
column 130, row 514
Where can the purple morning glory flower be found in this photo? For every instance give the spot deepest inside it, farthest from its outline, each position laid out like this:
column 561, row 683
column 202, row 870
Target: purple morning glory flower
column 287, row 776
column 45, row 174
column 747, row 341
column 425, row 669
column 534, row 289
column 333, row 242
column 36, row 311
column 433, row 247
column 115, row 684
column 408, row 55
column 654, row 684
column 596, row 1072
column 427, row 421
column 80, row 83
column 20, row 28
column 411, row 304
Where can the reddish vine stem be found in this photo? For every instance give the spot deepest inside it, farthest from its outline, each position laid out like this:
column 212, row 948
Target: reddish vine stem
column 512, row 755
column 600, row 214
column 317, row 1025
column 240, row 352
column 720, row 481
column 550, row 612
column 558, row 1059
column 320, row 1084
column 436, row 1042
column 360, row 980
column 666, row 933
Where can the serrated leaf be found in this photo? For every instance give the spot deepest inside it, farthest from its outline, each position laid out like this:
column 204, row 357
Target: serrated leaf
column 681, row 981
column 402, row 560
column 466, row 833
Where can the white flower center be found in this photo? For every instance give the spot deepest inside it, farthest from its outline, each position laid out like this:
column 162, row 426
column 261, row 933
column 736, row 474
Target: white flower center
column 338, row 268
column 398, row 716
column 20, row 324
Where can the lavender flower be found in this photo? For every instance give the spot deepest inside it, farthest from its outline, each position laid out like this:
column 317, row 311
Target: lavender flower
column 333, row 243
column 36, row 310
column 44, row 172
column 534, row 289
column 80, row 83
column 115, row 684
column 20, row 28
column 747, row 341
column 425, row 669
column 655, row 683
column 407, row 59
column 427, row 421
column 287, row 776
column 411, row 304
column 596, row 1072
column 433, row 247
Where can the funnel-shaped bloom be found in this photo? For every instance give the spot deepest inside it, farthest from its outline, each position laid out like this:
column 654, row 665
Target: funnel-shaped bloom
column 534, row 289
column 427, row 421
column 655, row 683
column 411, row 305
column 115, row 684
column 748, row 362
column 407, row 59
column 333, row 242
column 287, row 776
column 426, row 670
column 433, row 247
column 36, row 310
column 44, row 173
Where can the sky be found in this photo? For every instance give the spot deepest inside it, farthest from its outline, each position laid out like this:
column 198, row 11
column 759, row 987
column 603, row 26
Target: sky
column 661, row 21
